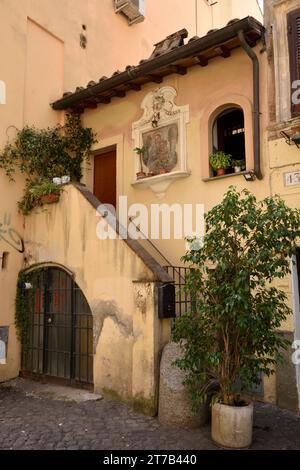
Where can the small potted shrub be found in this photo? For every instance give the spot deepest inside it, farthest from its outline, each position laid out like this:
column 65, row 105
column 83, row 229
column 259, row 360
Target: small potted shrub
column 220, row 161
column 232, row 334
column 38, row 193
column 238, row 165
column 140, row 151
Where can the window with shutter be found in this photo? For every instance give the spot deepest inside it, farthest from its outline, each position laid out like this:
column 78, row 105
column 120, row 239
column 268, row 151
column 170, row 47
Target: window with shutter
column 294, row 52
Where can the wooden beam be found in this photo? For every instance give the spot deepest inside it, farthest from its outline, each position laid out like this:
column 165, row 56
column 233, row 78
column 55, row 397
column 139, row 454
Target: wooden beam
column 251, row 41
column 203, row 61
column 155, row 78
column 118, row 93
column 223, row 51
column 103, row 99
column 90, row 104
column 179, row 69
column 134, row 86
column 78, row 109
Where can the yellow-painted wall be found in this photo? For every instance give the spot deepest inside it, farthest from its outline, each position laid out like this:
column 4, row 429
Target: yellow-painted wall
column 120, row 290
column 204, row 90
column 41, row 58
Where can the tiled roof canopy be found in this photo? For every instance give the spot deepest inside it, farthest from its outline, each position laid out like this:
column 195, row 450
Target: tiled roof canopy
column 169, row 56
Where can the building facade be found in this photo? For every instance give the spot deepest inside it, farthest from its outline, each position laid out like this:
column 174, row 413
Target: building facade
column 184, row 98
column 49, row 47
column 282, row 19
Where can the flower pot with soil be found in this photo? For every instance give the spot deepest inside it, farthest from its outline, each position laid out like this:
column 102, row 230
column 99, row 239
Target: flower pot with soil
column 49, row 198
column 38, row 193
column 238, row 165
column 219, row 162
column 140, row 175
column 231, row 426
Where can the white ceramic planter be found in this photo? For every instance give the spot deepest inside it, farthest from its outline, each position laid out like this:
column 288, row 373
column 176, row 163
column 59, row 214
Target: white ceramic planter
column 56, row 180
column 237, row 169
column 65, row 179
column 231, row 426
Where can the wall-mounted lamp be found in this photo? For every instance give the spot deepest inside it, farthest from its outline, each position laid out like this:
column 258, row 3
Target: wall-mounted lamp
column 250, row 176
column 291, row 139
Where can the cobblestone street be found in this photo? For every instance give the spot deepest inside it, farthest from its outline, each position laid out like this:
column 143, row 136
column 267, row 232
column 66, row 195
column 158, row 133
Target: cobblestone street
column 29, row 422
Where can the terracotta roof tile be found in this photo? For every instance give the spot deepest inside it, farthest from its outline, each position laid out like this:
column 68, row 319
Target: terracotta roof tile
column 167, row 45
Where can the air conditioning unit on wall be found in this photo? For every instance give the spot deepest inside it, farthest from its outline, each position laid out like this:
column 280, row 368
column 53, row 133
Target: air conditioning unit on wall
column 132, row 9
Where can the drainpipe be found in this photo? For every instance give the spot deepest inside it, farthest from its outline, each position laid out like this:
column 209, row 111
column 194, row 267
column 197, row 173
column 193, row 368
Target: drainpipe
column 256, row 103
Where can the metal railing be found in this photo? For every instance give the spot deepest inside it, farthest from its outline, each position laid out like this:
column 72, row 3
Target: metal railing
column 183, row 301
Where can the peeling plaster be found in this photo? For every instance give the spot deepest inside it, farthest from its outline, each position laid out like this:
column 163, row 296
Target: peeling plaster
column 103, row 309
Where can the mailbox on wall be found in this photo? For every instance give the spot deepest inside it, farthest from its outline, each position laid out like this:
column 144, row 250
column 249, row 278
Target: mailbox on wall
column 166, row 301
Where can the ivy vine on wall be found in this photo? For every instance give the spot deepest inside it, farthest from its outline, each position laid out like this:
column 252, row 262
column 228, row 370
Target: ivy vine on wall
column 24, row 299
column 42, row 154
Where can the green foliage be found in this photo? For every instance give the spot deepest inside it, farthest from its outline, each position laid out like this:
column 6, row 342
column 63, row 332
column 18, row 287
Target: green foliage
column 220, row 160
column 42, row 154
column 33, row 192
column 233, row 333
column 50, row 152
column 24, row 299
column 238, row 163
column 140, row 151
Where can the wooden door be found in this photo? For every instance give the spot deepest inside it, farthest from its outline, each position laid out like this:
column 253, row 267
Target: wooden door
column 105, row 184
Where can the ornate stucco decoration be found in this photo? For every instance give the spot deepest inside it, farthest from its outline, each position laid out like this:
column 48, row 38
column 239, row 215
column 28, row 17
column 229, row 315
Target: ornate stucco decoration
column 161, row 133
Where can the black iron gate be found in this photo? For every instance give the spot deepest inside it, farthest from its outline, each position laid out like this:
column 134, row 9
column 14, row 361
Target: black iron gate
column 60, row 339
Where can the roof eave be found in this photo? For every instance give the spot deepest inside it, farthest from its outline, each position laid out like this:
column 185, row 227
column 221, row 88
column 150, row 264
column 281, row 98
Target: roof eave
column 149, row 66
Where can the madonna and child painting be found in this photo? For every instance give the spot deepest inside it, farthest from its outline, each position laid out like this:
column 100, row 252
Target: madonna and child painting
column 161, row 149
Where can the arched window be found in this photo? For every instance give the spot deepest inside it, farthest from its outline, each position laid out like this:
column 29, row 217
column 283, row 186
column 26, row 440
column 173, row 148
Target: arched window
column 229, row 137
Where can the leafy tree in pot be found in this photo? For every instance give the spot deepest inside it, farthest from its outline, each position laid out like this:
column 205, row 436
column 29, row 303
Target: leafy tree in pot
column 233, row 333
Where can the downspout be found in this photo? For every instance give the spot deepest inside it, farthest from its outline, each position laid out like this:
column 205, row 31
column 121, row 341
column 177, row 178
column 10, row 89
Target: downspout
column 256, row 103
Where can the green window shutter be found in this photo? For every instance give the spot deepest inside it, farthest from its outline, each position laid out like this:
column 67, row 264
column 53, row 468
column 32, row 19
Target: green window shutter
column 294, row 51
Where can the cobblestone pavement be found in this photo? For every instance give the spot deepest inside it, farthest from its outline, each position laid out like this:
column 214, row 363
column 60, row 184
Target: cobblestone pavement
column 43, row 423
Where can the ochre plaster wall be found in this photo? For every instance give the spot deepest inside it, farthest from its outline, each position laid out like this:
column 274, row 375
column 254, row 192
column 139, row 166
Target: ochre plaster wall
column 120, row 290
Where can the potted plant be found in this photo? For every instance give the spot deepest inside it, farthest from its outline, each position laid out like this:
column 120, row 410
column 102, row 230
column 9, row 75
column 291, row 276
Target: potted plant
column 238, row 165
column 140, row 151
column 162, row 170
column 38, row 193
column 232, row 334
column 220, row 161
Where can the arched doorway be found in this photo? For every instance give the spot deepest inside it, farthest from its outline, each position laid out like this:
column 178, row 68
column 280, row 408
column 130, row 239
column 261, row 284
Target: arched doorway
column 60, row 327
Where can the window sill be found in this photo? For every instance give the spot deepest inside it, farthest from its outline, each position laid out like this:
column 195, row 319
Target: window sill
column 213, row 178
column 160, row 183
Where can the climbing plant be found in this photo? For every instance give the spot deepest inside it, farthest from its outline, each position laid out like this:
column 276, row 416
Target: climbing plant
column 50, row 152
column 23, row 302
column 41, row 154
